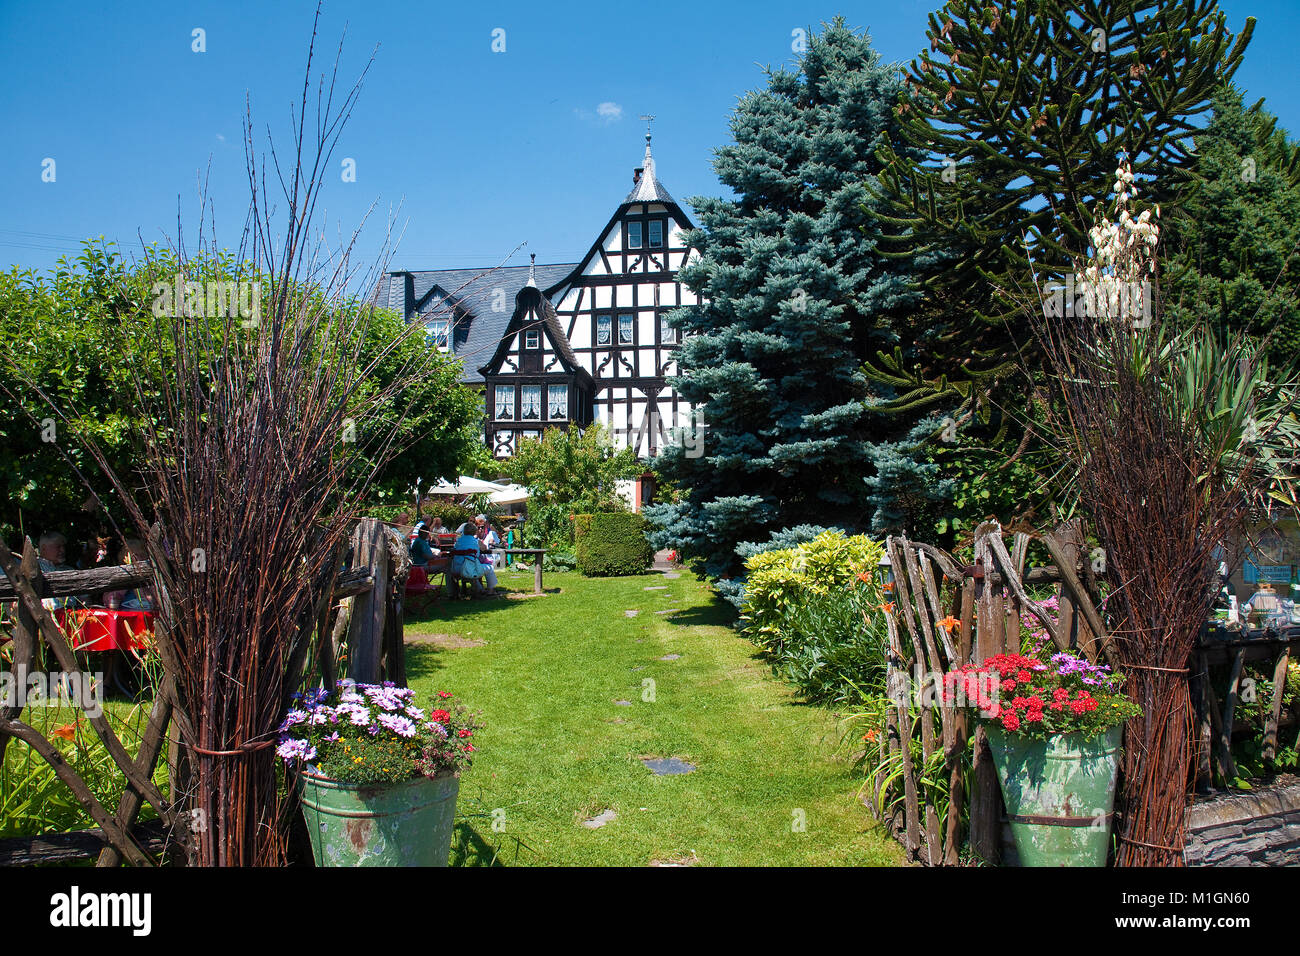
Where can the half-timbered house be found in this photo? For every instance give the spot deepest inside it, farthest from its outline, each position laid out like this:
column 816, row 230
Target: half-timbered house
column 565, row 345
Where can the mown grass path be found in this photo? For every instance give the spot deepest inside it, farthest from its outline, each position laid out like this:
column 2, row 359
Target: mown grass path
column 773, row 784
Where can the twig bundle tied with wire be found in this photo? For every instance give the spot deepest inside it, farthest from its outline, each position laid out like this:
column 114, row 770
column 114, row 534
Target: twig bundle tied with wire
column 1169, row 438
column 252, row 461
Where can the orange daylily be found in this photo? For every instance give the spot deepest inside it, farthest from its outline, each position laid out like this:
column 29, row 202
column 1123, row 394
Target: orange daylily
column 870, row 736
column 951, row 623
column 888, row 586
column 864, row 577
column 67, row 732
column 888, row 608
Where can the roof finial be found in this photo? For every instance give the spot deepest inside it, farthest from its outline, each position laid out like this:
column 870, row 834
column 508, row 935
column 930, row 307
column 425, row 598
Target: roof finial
column 532, row 270
column 648, row 118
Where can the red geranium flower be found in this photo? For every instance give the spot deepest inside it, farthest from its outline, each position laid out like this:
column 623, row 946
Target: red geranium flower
column 1011, row 721
column 440, row 716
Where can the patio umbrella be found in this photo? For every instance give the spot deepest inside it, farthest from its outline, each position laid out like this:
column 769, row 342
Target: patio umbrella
column 510, row 495
column 465, row 485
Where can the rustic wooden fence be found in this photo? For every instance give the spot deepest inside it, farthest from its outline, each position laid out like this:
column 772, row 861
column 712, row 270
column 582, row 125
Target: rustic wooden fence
column 361, row 627
column 946, row 615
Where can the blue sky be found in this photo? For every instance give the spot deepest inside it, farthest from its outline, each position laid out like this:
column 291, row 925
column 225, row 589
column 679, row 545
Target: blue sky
column 482, row 150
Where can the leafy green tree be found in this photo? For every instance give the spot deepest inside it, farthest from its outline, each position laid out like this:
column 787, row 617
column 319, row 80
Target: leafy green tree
column 85, row 337
column 795, row 295
column 569, row 471
column 1235, row 243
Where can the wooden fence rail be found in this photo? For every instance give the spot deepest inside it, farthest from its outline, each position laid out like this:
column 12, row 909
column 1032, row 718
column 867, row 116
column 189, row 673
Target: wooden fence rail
column 374, row 585
column 945, row 616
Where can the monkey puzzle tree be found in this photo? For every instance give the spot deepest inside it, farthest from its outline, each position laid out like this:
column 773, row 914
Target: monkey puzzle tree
column 1021, row 112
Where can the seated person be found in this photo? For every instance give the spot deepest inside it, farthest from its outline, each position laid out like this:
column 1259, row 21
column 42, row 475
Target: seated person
column 468, row 558
column 422, row 551
column 142, row 598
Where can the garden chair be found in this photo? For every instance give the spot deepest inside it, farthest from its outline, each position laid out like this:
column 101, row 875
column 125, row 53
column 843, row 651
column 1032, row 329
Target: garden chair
column 419, row 590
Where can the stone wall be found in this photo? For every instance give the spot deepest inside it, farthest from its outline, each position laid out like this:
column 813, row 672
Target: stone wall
column 1252, row 828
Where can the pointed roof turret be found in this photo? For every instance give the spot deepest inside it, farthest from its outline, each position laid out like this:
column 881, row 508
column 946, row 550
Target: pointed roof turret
column 532, row 271
column 647, row 188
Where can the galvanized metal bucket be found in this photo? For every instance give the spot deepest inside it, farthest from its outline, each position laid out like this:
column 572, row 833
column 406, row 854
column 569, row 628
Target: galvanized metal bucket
column 398, row 824
column 1059, row 794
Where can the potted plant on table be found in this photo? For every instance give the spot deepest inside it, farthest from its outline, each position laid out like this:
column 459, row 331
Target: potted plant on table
column 379, row 774
column 1054, row 728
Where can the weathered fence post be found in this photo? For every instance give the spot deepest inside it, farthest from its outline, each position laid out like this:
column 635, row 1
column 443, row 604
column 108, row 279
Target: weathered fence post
column 366, row 628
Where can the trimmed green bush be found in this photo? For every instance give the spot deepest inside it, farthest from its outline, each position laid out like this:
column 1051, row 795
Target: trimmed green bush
column 611, row 544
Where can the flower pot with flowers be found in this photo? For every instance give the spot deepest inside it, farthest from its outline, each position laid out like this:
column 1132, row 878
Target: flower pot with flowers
column 379, row 775
column 1054, row 728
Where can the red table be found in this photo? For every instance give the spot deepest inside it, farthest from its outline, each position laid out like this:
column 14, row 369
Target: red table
column 104, row 629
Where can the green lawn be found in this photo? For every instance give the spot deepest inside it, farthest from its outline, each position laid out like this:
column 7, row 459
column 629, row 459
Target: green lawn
column 557, row 749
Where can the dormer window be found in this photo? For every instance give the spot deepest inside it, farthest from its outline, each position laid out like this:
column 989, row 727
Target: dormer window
column 438, row 333
column 656, row 233
column 532, row 339
column 634, row 235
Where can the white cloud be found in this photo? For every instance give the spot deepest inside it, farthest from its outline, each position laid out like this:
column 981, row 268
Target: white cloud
column 605, row 113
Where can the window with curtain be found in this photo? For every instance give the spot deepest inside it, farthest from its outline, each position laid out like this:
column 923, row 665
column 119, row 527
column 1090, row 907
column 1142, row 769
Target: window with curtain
column 666, row 332
column 531, row 400
column 558, row 400
column 602, row 330
column 625, row 330
column 505, row 402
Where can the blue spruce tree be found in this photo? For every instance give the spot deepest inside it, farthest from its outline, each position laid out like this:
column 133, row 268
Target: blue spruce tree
column 794, row 296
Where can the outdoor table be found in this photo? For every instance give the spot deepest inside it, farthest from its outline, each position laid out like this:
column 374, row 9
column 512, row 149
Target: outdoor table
column 537, row 565
column 105, row 629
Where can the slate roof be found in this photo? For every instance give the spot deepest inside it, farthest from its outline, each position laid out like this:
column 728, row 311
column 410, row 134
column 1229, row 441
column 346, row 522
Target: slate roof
column 648, row 188
column 468, row 294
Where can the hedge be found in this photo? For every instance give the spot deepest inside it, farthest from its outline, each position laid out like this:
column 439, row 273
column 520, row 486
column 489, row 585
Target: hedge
column 611, row 544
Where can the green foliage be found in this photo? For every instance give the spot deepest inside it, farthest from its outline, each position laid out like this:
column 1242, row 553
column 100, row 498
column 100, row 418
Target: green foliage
column 611, row 544
column 451, row 514
column 86, row 337
column 33, row 800
column 1020, row 112
column 794, row 294
column 574, row 468
column 815, row 611
column 1233, row 245
column 549, row 526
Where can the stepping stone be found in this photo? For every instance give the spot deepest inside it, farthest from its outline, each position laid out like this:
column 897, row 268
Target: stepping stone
column 622, row 703
column 670, row 657
column 598, row 821
column 667, row 766
column 641, row 668
column 669, row 610
column 631, row 613
column 672, row 574
column 660, row 587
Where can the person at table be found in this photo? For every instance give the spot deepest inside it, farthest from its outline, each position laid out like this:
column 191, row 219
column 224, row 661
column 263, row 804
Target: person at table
column 469, row 558
column 421, row 549
column 52, row 552
column 489, row 539
column 137, row 599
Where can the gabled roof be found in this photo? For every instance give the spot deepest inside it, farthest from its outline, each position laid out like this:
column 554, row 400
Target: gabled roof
column 468, row 295
column 531, row 298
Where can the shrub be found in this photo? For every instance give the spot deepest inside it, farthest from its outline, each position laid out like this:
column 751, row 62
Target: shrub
column 611, row 544
column 814, row 609
column 452, row 515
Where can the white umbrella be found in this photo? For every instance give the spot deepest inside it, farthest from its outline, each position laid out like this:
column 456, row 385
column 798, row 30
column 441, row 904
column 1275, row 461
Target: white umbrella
column 510, row 495
column 465, row 485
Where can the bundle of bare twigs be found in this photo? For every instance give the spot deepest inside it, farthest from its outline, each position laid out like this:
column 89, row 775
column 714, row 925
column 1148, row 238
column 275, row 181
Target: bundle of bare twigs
column 1165, row 439
column 253, row 460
